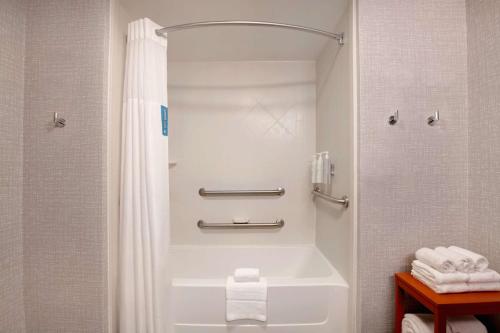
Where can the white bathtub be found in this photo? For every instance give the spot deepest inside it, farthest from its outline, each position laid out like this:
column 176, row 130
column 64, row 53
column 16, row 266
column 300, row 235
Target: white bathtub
column 306, row 294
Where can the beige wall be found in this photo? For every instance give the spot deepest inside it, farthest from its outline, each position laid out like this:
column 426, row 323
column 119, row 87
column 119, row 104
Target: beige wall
column 64, row 169
column 12, row 37
column 412, row 177
column 483, row 23
column 241, row 125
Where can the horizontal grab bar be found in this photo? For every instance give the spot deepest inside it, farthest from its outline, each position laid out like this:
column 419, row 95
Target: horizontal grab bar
column 276, row 192
column 344, row 201
column 272, row 225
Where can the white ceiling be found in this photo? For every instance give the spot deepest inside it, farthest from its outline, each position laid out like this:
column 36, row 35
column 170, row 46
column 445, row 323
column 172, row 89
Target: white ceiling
column 241, row 43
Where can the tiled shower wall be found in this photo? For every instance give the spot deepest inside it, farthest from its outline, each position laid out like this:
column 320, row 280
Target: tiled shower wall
column 412, row 177
column 483, row 22
column 242, row 125
column 12, row 27
column 64, row 169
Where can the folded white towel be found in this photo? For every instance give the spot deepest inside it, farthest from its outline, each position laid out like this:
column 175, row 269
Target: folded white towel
column 441, row 288
column 487, row 275
column 437, row 277
column 462, row 263
column 247, row 275
column 424, row 323
column 246, row 300
column 246, row 291
column 435, row 260
column 480, row 262
column 483, row 286
column 447, row 288
column 238, row 310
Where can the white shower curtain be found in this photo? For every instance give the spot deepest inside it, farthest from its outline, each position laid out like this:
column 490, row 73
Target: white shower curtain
column 144, row 203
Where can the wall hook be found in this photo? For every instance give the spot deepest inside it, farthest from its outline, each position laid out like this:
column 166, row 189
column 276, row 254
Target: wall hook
column 394, row 118
column 432, row 120
column 58, row 121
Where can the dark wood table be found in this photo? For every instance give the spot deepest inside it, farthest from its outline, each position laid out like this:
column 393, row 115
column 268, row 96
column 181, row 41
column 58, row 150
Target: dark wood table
column 442, row 305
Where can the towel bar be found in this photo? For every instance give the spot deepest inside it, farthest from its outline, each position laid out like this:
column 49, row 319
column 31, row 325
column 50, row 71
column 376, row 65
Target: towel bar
column 344, row 201
column 272, row 225
column 275, row 192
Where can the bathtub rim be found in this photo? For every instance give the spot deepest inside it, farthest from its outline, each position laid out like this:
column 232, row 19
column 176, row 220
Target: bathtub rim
column 333, row 279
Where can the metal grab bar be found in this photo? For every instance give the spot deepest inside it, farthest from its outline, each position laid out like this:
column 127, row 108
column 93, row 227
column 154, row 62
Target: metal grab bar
column 227, row 193
column 344, row 201
column 278, row 224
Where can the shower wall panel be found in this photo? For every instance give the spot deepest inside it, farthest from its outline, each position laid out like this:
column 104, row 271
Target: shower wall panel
column 242, row 125
column 12, row 51
column 64, row 168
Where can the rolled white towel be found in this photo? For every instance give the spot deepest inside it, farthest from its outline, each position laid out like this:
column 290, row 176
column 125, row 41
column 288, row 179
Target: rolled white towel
column 437, row 277
column 462, row 263
column 418, row 323
column 246, row 275
column 466, row 324
column 424, row 323
column 435, row 260
column 480, row 261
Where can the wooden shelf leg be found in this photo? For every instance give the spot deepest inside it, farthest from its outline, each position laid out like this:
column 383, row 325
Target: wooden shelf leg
column 439, row 322
column 400, row 309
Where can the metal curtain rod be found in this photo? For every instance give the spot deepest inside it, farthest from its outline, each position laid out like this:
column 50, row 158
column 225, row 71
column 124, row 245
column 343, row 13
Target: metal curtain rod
column 337, row 36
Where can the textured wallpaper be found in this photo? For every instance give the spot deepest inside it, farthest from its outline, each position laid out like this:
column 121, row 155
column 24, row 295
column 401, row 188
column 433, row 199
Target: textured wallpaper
column 412, row 177
column 64, row 169
column 483, row 21
column 12, row 27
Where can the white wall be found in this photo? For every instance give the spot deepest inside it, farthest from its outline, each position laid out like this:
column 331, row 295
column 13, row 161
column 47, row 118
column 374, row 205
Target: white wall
column 334, row 133
column 242, row 125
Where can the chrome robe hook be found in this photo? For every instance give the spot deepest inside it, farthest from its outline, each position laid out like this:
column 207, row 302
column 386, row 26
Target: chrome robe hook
column 394, row 118
column 58, row 121
column 432, row 120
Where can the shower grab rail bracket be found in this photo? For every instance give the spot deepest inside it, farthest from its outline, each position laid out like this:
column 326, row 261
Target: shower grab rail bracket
column 278, row 224
column 344, row 201
column 230, row 193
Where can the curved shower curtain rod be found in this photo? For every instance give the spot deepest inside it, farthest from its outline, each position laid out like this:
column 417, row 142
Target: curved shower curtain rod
column 337, row 36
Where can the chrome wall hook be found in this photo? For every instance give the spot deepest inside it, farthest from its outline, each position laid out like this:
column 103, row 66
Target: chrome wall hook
column 394, row 118
column 58, row 121
column 432, row 120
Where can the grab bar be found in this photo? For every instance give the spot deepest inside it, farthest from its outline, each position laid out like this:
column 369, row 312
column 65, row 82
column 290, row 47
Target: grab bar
column 344, row 201
column 273, row 225
column 276, row 192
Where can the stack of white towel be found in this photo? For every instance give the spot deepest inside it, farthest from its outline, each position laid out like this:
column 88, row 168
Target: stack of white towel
column 424, row 323
column 454, row 270
column 246, row 295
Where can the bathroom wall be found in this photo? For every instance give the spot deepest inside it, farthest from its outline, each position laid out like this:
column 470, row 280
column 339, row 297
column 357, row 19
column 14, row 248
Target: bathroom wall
column 118, row 40
column 64, row 169
column 334, row 127
column 334, row 133
column 12, row 32
column 242, row 125
column 412, row 177
column 483, row 23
